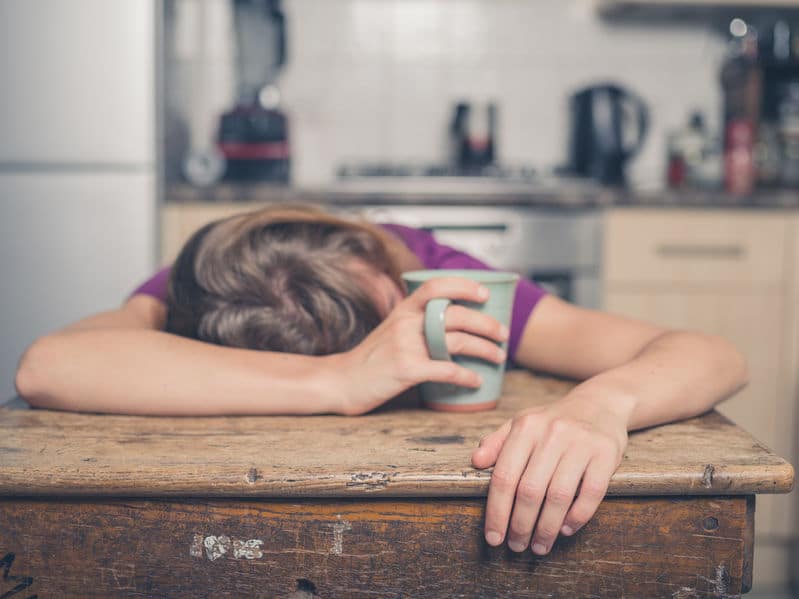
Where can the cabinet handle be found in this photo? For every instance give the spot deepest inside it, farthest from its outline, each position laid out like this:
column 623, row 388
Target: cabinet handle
column 717, row 252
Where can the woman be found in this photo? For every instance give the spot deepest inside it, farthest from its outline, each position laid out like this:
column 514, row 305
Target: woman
column 292, row 311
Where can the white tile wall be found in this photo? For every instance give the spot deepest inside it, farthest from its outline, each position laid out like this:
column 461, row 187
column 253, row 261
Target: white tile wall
column 376, row 79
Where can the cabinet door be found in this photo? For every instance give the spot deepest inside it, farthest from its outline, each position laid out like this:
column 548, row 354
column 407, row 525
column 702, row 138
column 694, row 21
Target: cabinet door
column 718, row 249
column 180, row 221
column 755, row 323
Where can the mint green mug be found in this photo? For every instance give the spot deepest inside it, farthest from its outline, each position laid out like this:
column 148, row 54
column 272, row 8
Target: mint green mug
column 453, row 398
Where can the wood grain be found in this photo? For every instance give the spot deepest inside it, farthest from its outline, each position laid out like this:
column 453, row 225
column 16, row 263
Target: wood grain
column 401, row 451
column 634, row 547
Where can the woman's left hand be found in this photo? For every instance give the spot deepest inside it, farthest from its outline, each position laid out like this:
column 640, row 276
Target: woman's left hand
column 543, row 458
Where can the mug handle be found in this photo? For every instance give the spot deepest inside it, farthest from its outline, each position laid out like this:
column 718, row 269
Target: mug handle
column 435, row 330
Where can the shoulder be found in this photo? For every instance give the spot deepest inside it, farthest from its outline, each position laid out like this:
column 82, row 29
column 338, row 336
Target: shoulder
column 430, row 252
column 147, row 310
column 155, row 286
column 410, row 235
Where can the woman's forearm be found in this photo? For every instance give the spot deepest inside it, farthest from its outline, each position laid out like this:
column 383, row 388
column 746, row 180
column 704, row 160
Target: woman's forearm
column 140, row 371
column 677, row 375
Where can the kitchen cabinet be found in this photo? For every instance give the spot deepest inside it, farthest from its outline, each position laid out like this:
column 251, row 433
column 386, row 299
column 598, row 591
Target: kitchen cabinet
column 179, row 221
column 730, row 273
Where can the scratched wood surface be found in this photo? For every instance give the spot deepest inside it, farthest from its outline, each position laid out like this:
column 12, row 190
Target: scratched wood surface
column 635, row 548
column 400, row 451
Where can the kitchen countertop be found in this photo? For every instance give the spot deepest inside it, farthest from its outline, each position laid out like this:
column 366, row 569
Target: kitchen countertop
column 471, row 192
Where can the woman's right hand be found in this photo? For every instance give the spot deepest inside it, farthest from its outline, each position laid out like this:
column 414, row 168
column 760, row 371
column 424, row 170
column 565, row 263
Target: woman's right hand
column 394, row 357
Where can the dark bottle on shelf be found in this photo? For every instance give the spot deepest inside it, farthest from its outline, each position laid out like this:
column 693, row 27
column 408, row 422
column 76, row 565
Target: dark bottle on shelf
column 473, row 136
column 741, row 79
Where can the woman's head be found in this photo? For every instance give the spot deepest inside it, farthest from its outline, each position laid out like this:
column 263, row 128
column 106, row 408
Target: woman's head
column 282, row 279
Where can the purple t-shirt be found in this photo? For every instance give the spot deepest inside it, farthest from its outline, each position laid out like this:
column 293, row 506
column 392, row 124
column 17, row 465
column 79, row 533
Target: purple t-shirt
column 432, row 255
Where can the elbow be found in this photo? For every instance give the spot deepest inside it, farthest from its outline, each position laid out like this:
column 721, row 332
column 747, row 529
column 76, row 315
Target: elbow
column 738, row 365
column 31, row 377
column 731, row 364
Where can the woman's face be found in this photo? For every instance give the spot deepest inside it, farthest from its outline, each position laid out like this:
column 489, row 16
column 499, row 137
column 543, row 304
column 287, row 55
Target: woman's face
column 380, row 286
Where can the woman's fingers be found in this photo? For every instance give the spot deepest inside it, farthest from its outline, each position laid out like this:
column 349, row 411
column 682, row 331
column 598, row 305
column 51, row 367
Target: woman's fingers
column 532, row 491
column 463, row 344
column 559, row 498
column 591, row 493
column 460, row 318
column 488, row 450
column 510, row 465
column 444, row 371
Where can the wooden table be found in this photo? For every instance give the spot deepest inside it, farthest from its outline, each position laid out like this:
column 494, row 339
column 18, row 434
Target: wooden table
column 381, row 506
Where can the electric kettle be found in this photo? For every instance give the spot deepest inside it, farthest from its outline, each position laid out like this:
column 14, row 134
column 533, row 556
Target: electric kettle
column 608, row 127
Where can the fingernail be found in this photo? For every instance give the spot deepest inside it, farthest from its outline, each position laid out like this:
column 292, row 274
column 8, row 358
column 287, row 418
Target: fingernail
column 516, row 546
column 493, row 537
column 503, row 332
column 482, row 292
column 567, row 530
column 539, row 549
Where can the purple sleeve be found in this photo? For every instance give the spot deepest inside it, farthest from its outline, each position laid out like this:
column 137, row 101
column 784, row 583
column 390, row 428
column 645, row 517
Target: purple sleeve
column 436, row 255
column 156, row 285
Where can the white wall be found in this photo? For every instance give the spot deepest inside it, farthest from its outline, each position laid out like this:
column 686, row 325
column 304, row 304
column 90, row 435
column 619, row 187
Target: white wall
column 376, row 79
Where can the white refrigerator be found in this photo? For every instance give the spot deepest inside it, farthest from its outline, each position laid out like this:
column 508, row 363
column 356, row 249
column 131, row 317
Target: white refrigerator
column 78, row 162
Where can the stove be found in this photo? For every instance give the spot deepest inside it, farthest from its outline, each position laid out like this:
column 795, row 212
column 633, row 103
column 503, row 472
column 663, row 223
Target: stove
column 439, row 180
column 494, row 172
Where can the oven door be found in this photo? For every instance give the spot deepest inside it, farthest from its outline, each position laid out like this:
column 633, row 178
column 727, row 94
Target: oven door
column 557, row 248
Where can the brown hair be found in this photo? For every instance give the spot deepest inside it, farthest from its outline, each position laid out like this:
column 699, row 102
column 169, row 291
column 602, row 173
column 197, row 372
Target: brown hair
column 277, row 279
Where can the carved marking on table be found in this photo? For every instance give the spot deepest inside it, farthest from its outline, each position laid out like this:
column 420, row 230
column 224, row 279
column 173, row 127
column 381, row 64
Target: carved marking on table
column 339, row 528
column 121, row 578
column 707, row 476
column 370, row 481
column 252, row 476
column 721, row 581
column 23, row 582
column 217, row 547
column 250, row 549
column 196, row 549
